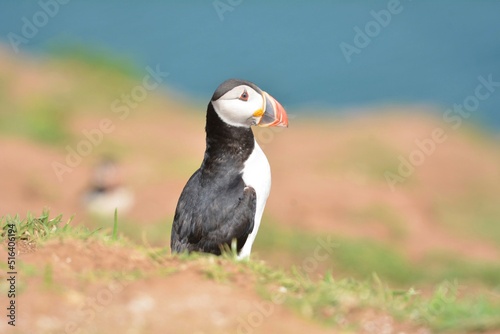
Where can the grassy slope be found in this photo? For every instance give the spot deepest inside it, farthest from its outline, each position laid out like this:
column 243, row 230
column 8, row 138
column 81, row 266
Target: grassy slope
column 40, row 114
column 358, row 258
column 333, row 302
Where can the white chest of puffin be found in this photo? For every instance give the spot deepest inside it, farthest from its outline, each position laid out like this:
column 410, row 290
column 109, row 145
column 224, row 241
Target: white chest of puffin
column 225, row 198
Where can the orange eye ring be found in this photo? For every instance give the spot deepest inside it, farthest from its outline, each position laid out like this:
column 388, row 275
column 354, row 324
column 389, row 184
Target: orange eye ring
column 244, row 96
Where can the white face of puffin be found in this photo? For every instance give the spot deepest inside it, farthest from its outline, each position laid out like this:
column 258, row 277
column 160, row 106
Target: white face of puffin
column 238, row 106
column 243, row 106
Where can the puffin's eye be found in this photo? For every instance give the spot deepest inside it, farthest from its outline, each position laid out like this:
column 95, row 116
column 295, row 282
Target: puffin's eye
column 244, row 96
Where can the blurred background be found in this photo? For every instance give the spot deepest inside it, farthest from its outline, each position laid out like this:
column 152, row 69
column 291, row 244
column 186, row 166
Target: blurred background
column 393, row 144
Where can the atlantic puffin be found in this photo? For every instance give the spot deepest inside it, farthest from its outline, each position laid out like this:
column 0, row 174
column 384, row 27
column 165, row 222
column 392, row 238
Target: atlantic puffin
column 106, row 191
column 224, row 199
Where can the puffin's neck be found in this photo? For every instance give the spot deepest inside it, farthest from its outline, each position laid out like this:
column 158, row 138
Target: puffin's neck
column 227, row 145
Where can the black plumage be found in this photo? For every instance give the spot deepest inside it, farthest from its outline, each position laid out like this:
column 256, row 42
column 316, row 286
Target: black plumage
column 215, row 206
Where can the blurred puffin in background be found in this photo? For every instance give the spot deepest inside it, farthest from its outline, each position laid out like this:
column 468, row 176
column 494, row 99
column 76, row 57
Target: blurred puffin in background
column 224, row 199
column 106, row 191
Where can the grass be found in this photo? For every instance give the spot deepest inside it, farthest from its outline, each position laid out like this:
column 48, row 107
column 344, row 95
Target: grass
column 96, row 59
column 331, row 301
column 42, row 228
column 336, row 303
column 357, row 258
column 361, row 258
column 48, row 277
column 474, row 213
column 34, row 229
column 156, row 234
column 42, row 122
column 115, row 226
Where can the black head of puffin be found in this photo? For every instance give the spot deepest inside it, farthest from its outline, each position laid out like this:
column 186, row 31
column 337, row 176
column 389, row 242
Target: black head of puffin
column 241, row 103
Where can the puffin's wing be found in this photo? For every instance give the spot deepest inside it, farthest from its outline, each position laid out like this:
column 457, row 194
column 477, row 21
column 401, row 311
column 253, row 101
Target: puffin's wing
column 225, row 225
column 206, row 221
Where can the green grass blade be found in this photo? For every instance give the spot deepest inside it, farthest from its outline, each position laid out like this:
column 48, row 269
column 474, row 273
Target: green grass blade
column 115, row 226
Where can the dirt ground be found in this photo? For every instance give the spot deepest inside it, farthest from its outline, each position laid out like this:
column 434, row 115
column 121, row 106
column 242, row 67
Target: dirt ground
column 72, row 286
column 328, row 177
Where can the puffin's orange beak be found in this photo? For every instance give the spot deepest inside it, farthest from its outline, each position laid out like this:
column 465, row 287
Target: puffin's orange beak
column 274, row 113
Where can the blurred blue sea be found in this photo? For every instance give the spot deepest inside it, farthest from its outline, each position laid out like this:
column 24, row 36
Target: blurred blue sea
column 431, row 52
